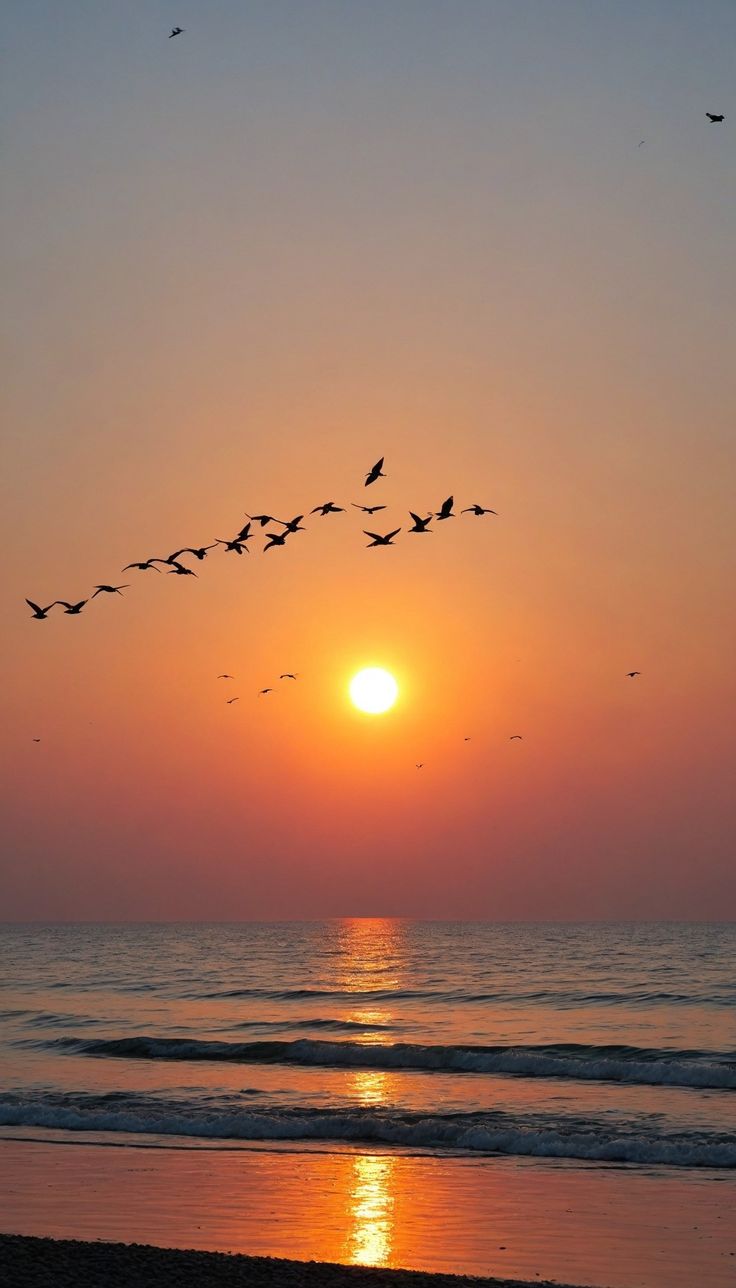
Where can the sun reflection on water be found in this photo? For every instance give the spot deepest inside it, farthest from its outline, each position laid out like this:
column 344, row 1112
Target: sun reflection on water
column 370, row 1234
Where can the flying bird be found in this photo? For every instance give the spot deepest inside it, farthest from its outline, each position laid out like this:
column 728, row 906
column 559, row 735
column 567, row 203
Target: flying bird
column 467, row 740
column 288, row 675
column 244, row 534
column 263, row 519
column 224, row 676
column 715, row 118
column 420, row 525
column 375, row 472
column 74, row 609
column 145, row 564
column 235, row 545
column 632, row 674
column 420, row 766
column 516, row 735
column 263, row 692
column 110, row 590
column 445, row 510
column 176, row 31
column 36, row 739
column 329, row 507
column 477, row 509
column 640, row 145
column 199, row 552
column 293, row 525
column 41, row 613
column 276, row 539
column 229, row 701
column 378, row 540
column 368, row 509
column 181, row 571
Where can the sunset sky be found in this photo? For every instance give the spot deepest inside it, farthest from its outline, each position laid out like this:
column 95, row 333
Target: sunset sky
column 240, row 266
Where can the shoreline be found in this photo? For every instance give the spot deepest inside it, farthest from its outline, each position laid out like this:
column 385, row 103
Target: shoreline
column 32, row 1262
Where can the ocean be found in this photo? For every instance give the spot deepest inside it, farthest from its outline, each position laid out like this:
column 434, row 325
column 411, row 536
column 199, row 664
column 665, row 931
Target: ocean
column 564, row 1050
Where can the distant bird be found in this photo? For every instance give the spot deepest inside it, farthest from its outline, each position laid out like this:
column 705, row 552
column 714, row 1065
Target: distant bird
column 229, row 701
column 714, row 117
column 445, row 510
column 293, row 525
column 375, row 472
column 263, row 692
column 36, row 739
column 639, row 145
column 199, row 552
column 477, row 509
column 263, row 519
column 288, row 675
column 420, row 525
column 181, row 571
column 110, row 590
column 329, row 507
column 145, row 564
column 225, row 676
column 420, row 766
column 237, row 546
column 74, row 609
column 176, row 31
column 516, row 735
column 467, row 739
column 41, row 613
column 244, row 534
column 632, row 674
column 276, row 539
column 368, row 509
column 378, row 540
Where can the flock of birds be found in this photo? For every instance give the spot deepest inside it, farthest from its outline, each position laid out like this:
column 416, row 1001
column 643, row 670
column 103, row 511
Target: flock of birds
column 276, row 532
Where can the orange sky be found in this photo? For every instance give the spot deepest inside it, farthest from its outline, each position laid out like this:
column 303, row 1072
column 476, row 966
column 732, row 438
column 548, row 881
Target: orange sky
column 243, row 266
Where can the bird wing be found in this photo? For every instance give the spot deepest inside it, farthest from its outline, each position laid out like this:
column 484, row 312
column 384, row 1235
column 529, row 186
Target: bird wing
column 379, row 464
column 375, row 535
column 395, row 533
column 37, row 608
column 416, row 517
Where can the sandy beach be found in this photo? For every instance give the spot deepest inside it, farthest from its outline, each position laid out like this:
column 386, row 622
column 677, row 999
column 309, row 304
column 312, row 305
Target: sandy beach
column 70, row 1263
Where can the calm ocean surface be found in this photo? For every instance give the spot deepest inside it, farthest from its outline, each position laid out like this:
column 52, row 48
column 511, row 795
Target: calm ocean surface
column 603, row 1044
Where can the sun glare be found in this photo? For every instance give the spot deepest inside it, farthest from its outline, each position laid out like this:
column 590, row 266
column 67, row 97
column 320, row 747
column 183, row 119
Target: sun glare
column 373, row 690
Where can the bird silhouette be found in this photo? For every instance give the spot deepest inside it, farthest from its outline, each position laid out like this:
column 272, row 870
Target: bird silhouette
column 715, row 118
column 36, row 740
column 467, row 740
column 110, row 590
column 263, row 519
column 199, row 552
column 237, row 546
column 39, row 613
column 276, row 539
column 368, row 509
column 181, row 571
column 445, row 510
column 288, row 675
column 293, row 525
column 477, row 509
column 229, row 701
column 420, row 525
column 244, row 534
column 378, row 540
column 263, row 692
column 176, row 31
column 74, row 609
column 329, row 507
column 224, row 676
column 145, row 564
column 641, row 145
column 516, row 735
column 375, row 472
column 632, row 674
column 420, row 766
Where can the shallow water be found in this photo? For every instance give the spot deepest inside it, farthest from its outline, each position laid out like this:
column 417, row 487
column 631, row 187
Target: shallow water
column 575, row 1051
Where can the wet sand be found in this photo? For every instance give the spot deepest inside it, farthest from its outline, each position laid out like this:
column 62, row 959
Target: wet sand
column 67, row 1263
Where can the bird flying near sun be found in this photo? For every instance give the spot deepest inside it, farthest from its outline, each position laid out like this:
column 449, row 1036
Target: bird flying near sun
column 373, row 690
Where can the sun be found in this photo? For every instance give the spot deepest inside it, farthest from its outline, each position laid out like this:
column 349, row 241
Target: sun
column 373, row 690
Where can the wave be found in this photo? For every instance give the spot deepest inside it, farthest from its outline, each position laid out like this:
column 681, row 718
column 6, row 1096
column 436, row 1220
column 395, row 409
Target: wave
column 650, row 1066
column 490, row 1133
column 552, row 997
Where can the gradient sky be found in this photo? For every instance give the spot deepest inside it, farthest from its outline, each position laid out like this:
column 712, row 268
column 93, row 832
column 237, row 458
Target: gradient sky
column 243, row 264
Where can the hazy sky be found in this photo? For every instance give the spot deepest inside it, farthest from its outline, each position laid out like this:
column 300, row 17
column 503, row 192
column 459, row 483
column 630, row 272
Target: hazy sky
column 241, row 265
